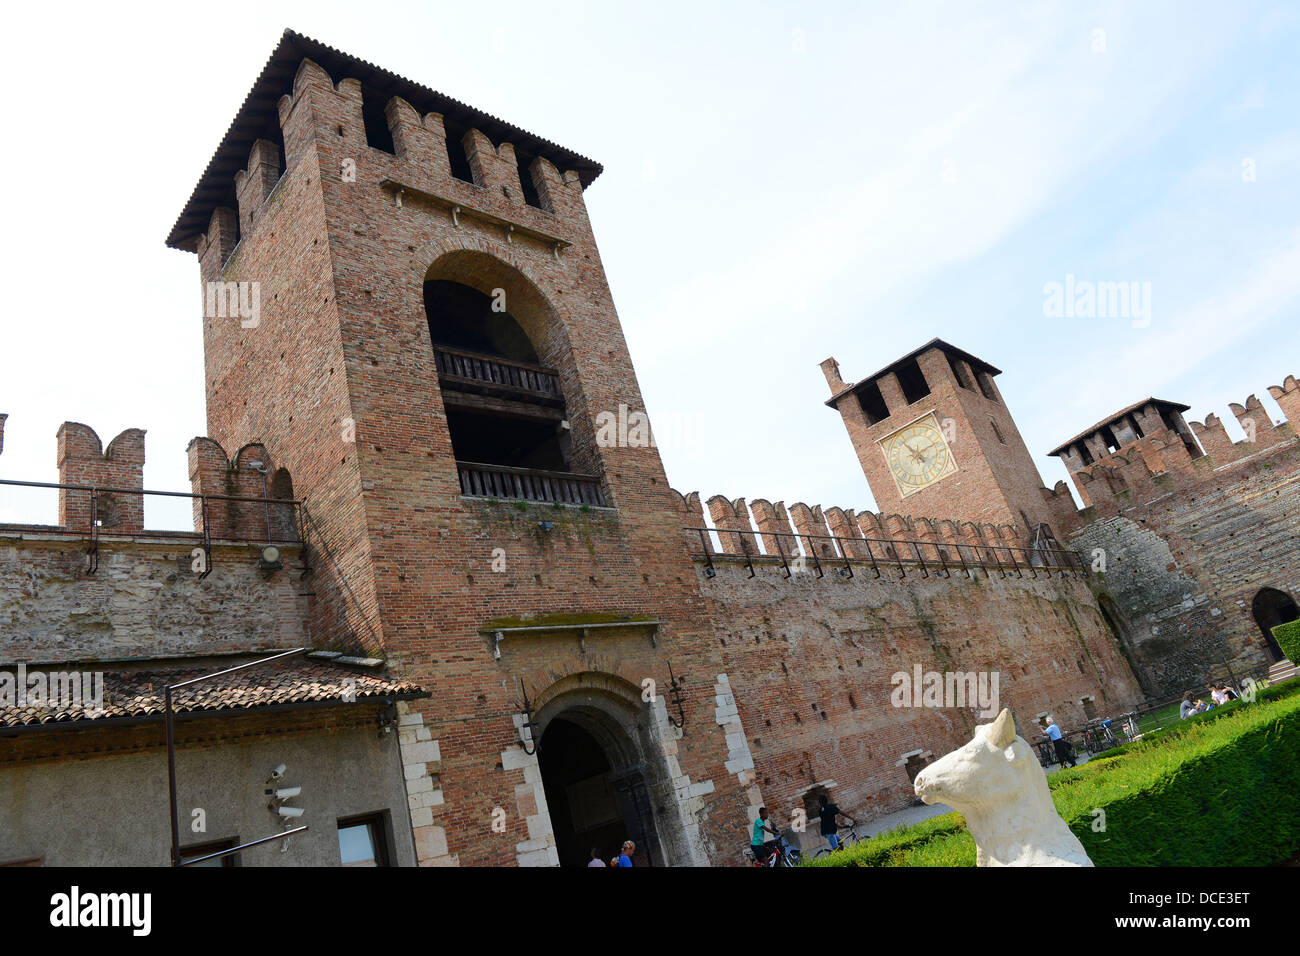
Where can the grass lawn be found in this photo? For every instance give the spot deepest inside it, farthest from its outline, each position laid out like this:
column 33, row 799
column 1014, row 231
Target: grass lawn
column 1221, row 788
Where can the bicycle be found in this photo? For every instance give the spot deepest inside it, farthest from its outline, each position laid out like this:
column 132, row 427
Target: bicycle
column 782, row 854
column 849, row 838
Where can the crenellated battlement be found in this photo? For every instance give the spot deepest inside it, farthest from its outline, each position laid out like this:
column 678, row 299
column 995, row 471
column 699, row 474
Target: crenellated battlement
column 763, row 528
column 101, row 490
column 1163, row 458
column 419, row 146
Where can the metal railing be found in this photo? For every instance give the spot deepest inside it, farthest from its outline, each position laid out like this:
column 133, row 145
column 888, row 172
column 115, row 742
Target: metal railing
column 528, row 484
column 101, row 511
column 883, row 555
column 496, row 371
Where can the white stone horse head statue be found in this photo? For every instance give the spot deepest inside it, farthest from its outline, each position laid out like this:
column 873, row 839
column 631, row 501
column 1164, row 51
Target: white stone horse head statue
column 995, row 782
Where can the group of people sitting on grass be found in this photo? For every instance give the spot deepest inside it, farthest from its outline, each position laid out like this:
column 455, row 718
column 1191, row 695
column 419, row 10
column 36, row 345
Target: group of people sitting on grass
column 1220, row 694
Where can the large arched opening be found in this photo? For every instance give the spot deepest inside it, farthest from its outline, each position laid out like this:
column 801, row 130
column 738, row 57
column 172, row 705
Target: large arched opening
column 603, row 776
column 509, row 387
column 1270, row 608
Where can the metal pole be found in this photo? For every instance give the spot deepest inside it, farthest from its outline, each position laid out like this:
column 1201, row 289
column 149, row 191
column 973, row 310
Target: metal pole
column 169, row 718
column 171, row 774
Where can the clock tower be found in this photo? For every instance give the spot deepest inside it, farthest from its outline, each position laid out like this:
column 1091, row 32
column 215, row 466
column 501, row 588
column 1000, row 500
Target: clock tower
column 935, row 439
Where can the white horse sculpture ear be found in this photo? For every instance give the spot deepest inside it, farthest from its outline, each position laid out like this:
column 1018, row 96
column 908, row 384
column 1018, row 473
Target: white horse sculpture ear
column 1002, row 733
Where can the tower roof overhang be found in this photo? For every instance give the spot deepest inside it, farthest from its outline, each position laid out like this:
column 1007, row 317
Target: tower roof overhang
column 1160, row 403
column 978, row 364
column 216, row 187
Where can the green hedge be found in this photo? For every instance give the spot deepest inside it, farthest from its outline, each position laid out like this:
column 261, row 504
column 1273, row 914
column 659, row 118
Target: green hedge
column 1288, row 638
column 1217, row 792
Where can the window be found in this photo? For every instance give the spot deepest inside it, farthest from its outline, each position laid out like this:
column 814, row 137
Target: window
column 986, row 386
column 997, row 431
column 959, row 374
column 1084, row 453
column 526, row 183
column 206, row 849
column 362, row 841
column 873, row 403
column 912, row 382
column 457, row 157
column 375, row 120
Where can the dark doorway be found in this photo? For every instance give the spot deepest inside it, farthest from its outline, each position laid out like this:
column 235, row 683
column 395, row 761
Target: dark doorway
column 1272, row 607
column 593, row 803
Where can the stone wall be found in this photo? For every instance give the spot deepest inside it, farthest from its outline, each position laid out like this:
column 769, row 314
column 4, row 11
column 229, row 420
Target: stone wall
column 145, row 599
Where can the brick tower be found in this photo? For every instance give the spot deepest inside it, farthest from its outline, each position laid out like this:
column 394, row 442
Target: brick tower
column 935, row 438
column 412, row 317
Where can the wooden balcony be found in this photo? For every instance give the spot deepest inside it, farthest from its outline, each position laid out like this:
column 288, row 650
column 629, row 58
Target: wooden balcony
column 495, row 375
column 528, row 484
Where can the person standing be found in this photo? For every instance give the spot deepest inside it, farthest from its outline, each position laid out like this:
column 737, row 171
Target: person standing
column 624, row 858
column 1060, row 744
column 595, row 857
column 829, row 812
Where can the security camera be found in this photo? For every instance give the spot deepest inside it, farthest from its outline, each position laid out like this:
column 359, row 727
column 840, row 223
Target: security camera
column 287, row 793
column 290, row 811
column 277, row 773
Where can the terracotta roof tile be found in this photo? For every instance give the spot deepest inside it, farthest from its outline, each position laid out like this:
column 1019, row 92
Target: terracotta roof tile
column 139, row 692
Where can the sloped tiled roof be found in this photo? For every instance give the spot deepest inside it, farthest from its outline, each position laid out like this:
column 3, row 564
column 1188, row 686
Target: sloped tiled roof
column 1112, row 419
column 139, row 692
column 951, row 350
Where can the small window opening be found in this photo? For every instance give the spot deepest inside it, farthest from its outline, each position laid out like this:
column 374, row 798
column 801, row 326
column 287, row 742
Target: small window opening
column 378, row 135
column 997, row 431
column 1108, row 437
column 531, row 196
column 986, row 386
column 873, row 403
column 912, row 381
column 960, row 374
column 1084, row 453
column 456, row 155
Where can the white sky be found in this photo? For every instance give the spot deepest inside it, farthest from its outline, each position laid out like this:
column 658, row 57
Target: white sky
column 783, row 182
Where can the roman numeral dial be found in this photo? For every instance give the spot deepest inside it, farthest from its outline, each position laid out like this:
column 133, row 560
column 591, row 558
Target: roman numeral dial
column 918, row 456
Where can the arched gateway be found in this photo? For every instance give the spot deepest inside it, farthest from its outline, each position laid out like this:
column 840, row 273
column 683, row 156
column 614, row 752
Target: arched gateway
column 604, row 772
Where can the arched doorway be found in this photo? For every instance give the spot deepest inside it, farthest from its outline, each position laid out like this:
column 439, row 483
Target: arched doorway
column 598, row 780
column 1270, row 608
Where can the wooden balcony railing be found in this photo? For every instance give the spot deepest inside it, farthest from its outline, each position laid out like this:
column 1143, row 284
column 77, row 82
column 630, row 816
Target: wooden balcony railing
column 528, row 484
column 500, row 372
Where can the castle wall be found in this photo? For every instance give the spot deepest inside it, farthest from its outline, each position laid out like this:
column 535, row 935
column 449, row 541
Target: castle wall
column 145, row 599
column 812, row 659
column 1184, row 566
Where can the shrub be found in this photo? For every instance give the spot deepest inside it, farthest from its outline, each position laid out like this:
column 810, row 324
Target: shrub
column 1288, row 638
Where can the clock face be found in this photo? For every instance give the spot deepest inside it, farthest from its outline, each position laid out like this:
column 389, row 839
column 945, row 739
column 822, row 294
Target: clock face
column 918, row 456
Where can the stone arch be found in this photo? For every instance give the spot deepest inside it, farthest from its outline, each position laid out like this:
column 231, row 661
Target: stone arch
column 638, row 773
column 496, row 271
column 1271, row 607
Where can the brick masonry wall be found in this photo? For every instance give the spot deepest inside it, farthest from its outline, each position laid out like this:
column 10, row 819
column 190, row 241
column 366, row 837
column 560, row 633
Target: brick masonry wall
column 810, row 661
column 1184, row 567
